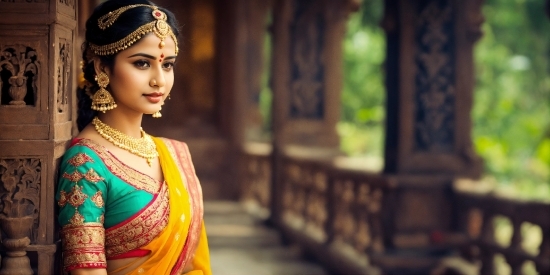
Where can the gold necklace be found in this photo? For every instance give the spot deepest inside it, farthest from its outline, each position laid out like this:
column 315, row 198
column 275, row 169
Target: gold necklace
column 144, row 146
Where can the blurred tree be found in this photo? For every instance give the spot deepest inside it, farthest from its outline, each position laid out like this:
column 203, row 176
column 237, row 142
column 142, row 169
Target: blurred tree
column 511, row 111
column 511, row 114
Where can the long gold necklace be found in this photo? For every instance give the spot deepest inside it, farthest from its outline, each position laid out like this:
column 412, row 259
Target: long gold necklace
column 144, row 146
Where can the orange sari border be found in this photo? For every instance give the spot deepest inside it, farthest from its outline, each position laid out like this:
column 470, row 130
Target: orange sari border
column 141, row 228
column 180, row 153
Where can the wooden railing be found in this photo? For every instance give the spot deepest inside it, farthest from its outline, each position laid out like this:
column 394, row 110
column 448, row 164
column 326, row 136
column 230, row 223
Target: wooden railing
column 256, row 171
column 333, row 213
column 340, row 216
column 507, row 236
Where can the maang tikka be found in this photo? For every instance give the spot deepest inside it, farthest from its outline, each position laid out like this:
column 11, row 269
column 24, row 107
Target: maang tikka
column 102, row 100
column 159, row 27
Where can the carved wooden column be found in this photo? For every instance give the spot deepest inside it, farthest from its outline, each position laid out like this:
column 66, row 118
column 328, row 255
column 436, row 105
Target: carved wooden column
column 430, row 83
column 36, row 99
column 307, row 70
column 306, row 81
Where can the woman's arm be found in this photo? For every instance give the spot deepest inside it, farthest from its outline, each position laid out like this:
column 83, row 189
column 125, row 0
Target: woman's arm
column 89, row 271
column 81, row 198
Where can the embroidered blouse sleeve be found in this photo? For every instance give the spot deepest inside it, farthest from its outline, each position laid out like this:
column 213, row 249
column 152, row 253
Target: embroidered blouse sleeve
column 81, row 196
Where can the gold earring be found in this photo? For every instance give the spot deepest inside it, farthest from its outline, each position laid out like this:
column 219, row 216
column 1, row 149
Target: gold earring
column 157, row 114
column 102, row 100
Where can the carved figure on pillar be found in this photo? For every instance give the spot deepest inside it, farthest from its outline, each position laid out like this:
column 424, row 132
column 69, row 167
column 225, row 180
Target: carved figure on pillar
column 307, row 32
column 18, row 75
column 434, row 127
column 20, row 195
column 63, row 74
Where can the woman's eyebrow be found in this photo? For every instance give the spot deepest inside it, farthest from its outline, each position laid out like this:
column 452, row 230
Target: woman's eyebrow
column 143, row 55
column 150, row 56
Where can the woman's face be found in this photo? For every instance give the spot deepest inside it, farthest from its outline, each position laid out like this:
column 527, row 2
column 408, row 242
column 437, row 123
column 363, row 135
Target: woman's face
column 143, row 75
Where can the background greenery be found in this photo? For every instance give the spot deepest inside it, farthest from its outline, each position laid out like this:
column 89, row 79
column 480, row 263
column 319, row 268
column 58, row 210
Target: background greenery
column 511, row 112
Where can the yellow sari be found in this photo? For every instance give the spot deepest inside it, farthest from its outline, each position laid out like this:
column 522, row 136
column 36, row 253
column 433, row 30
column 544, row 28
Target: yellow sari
column 183, row 241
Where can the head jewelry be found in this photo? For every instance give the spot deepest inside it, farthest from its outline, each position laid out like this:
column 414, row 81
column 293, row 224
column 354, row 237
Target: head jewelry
column 159, row 27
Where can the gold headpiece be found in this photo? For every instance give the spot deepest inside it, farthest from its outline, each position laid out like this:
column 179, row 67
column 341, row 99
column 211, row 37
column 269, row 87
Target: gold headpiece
column 159, row 27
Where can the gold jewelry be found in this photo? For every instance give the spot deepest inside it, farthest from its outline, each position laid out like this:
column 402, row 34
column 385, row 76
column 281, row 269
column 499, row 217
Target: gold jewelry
column 108, row 19
column 159, row 27
column 144, row 146
column 157, row 114
column 153, row 82
column 102, row 100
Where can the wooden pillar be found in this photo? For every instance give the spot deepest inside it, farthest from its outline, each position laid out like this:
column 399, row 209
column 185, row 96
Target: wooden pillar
column 36, row 101
column 306, row 81
column 430, row 81
column 307, row 71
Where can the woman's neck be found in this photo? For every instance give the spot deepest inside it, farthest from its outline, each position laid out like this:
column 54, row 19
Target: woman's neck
column 125, row 123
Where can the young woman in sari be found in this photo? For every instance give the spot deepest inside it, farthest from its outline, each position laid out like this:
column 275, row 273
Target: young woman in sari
column 129, row 203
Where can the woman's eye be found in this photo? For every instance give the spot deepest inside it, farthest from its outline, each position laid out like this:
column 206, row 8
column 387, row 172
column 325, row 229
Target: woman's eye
column 168, row 65
column 142, row 64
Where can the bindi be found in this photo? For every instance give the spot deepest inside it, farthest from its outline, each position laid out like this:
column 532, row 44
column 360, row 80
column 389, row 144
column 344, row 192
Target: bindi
column 161, row 57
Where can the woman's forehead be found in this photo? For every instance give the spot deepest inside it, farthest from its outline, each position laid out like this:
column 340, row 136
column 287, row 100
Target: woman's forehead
column 150, row 44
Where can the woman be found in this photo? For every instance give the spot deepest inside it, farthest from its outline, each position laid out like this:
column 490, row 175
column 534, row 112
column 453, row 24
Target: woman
column 129, row 203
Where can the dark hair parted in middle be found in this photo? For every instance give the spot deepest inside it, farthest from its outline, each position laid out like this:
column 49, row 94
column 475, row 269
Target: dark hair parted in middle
column 127, row 22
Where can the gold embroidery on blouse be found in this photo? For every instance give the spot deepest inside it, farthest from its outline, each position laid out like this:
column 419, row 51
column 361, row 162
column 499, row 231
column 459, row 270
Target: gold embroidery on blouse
column 97, row 199
column 140, row 230
column 80, row 159
column 77, row 218
column 127, row 174
column 83, row 245
column 76, row 197
column 92, row 176
column 102, row 219
column 73, row 177
column 62, row 198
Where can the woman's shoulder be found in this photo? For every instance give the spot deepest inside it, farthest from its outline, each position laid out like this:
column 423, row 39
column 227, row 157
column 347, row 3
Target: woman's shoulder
column 173, row 142
column 82, row 150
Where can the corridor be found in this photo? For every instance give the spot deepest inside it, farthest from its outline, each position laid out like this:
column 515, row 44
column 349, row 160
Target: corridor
column 242, row 245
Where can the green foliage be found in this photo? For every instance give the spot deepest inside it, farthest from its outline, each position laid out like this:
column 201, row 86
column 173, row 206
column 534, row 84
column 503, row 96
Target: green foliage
column 511, row 114
column 511, row 111
column 363, row 96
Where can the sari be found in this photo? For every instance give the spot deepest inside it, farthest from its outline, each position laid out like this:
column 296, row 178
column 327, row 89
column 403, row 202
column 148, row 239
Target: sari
column 111, row 211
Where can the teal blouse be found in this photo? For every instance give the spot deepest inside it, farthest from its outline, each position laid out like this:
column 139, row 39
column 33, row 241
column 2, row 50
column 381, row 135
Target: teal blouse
column 94, row 186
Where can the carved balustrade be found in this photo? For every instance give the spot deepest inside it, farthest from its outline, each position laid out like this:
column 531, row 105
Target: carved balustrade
column 506, row 235
column 333, row 212
column 256, row 172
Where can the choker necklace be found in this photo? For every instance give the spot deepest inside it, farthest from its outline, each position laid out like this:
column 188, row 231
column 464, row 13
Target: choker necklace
column 144, row 146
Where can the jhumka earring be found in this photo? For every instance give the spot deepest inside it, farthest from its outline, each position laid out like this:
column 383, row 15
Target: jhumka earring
column 157, row 114
column 102, row 100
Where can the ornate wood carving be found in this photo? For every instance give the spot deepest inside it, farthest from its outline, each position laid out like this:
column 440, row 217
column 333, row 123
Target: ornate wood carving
column 474, row 16
column 435, row 77
column 63, row 74
column 20, row 189
column 19, row 73
column 23, row 1
column 70, row 3
column 306, row 46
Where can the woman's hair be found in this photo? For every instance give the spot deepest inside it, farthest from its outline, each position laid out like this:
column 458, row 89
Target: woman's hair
column 126, row 23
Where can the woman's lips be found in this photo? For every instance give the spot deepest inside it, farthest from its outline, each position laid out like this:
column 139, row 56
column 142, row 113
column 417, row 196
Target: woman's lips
column 154, row 97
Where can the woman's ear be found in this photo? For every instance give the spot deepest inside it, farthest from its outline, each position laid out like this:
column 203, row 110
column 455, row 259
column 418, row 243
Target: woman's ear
column 100, row 68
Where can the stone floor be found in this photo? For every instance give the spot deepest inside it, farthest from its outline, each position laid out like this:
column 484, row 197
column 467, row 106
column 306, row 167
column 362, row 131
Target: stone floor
column 241, row 245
